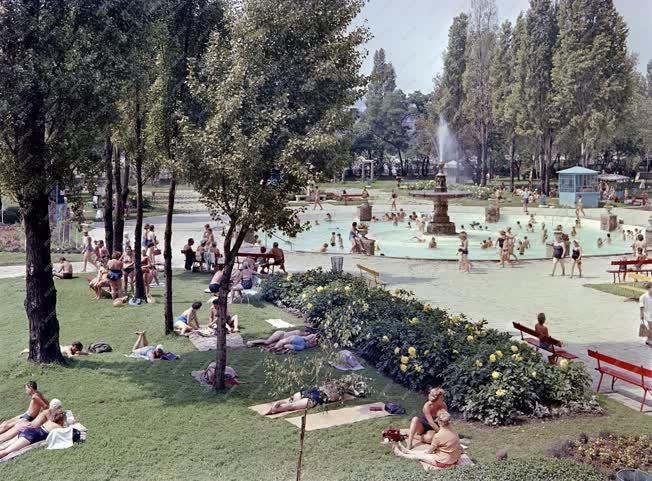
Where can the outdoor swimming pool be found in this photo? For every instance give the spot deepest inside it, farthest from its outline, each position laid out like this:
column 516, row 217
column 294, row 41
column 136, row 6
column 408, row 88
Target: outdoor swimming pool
column 397, row 241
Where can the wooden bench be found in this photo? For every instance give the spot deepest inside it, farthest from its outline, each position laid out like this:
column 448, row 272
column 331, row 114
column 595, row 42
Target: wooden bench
column 630, row 373
column 624, row 267
column 547, row 343
column 371, row 276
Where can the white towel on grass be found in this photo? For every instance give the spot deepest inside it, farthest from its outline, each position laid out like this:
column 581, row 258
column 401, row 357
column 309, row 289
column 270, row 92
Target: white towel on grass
column 279, row 323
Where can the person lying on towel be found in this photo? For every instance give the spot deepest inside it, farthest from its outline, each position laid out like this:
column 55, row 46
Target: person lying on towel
column 278, row 336
column 36, row 403
column 143, row 350
column 37, row 430
column 329, row 392
column 445, row 449
column 294, row 344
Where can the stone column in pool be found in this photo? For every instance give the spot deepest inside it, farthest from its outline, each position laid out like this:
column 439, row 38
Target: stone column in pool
column 364, row 211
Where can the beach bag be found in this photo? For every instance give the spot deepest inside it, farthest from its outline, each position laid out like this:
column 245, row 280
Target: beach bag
column 643, row 331
column 99, row 347
column 394, row 408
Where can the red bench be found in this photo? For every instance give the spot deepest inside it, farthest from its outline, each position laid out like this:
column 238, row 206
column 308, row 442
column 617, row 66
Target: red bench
column 625, row 266
column 552, row 345
column 636, row 375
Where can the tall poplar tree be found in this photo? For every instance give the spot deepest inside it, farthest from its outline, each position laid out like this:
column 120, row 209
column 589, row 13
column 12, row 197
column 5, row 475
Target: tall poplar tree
column 591, row 72
column 450, row 96
column 477, row 105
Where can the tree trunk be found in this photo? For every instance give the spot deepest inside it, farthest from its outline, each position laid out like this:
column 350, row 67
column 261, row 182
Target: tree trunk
column 512, row 150
column 108, row 195
column 167, row 256
column 302, row 436
column 230, row 253
column 119, row 223
column 40, row 293
column 483, row 163
column 138, row 230
column 125, row 188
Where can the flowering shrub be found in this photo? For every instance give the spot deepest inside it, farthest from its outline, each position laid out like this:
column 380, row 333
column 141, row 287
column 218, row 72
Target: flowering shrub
column 487, row 375
column 609, row 452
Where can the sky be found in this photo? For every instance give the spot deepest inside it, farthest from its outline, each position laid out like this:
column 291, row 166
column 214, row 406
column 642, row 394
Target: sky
column 414, row 33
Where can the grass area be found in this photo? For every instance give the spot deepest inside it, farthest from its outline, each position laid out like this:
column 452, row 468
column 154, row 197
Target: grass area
column 618, row 289
column 18, row 258
column 150, row 421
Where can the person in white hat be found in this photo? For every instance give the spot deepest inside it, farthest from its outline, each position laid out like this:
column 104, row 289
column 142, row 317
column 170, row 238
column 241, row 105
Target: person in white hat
column 144, row 350
column 35, row 431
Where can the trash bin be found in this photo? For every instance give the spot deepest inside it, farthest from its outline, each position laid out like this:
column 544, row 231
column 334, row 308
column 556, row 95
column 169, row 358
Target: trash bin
column 633, row 475
column 337, row 262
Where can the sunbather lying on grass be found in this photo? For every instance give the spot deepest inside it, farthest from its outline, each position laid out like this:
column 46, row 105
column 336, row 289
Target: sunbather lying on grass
column 14, row 432
column 276, row 337
column 144, row 350
column 294, row 344
column 55, row 418
column 36, row 403
column 329, row 392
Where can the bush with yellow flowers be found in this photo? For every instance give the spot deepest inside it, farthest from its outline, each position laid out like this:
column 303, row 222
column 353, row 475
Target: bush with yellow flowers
column 421, row 346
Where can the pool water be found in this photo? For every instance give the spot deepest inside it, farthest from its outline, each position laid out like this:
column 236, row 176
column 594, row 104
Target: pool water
column 398, row 241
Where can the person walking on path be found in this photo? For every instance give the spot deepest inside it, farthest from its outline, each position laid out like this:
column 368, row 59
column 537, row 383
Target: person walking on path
column 317, row 200
column 645, row 308
column 579, row 206
column 394, row 196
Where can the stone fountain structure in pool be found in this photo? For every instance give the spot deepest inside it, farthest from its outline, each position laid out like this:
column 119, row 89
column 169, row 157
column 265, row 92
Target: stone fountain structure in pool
column 441, row 223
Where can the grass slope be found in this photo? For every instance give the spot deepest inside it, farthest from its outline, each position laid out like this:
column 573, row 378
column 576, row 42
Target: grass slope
column 150, row 421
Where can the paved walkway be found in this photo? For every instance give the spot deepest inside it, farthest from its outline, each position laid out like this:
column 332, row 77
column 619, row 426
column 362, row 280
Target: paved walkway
column 580, row 316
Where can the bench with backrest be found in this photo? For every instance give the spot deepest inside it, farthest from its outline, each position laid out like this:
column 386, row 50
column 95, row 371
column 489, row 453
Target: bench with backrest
column 371, row 276
column 547, row 343
column 629, row 266
column 630, row 373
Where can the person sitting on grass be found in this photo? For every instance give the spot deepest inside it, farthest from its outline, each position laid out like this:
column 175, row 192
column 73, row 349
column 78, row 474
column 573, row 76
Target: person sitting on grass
column 36, row 403
column 232, row 323
column 445, row 448
column 65, row 269
column 100, row 281
column 74, row 350
column 244, row 280
column 424, row 426
column 296, row 343
column 144, row 350
column 22, row 424
column 37, row 430
column 187, row 321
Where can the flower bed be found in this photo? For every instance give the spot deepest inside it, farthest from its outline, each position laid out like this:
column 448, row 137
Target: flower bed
column 609, row 452
column 488, row 376
column 476, row 192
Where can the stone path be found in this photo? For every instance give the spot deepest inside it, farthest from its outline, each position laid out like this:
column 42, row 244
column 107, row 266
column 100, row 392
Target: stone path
column 580, row 316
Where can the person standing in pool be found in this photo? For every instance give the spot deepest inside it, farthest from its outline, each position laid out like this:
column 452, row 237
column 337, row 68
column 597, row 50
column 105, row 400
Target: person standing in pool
column 576, row 255
column 394, row 196
column 558, row 254
column 463, row 251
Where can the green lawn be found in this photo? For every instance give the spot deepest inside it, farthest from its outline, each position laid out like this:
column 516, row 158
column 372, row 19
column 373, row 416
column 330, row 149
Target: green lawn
column 618, row 289
column 150, row 421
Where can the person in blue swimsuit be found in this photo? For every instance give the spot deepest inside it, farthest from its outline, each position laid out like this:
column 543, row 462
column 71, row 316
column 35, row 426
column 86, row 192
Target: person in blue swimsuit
column 36, row 403
column 295, row 343
column 187, row 321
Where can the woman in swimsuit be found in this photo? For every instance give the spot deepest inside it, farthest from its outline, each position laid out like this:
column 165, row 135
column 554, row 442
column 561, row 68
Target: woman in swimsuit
column 144, row 350
column 558, row 254
column 88, row 251
column 37, row 430
column 274, row 338
column 100, row 281
column 244, row 280
column 576, row 255
column 394, row 196
column 115, row 274
column 128, row 268
column 294, row 344
column 425, row 426
column 187, row 321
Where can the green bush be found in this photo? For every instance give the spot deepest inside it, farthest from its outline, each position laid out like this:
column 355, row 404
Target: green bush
column 487, row 376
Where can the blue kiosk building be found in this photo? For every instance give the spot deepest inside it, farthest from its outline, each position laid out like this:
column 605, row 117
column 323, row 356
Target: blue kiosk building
column 578, row 181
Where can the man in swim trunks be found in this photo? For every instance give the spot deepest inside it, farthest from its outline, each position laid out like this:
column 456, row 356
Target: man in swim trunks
column 37, row 430
column 36, row 403
column 65, row 269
